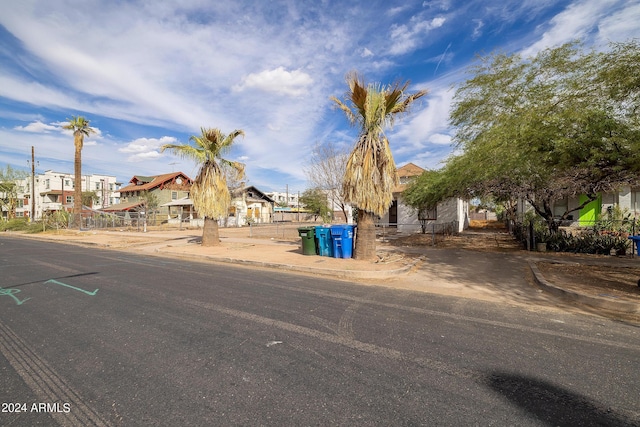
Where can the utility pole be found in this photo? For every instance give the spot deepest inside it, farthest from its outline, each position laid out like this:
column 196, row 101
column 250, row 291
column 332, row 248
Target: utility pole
column 33, row 185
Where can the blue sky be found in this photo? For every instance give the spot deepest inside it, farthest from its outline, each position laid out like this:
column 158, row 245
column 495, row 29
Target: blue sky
column 147, row 73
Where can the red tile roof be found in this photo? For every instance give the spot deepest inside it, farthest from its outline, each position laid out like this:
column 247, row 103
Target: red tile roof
column 152, row 182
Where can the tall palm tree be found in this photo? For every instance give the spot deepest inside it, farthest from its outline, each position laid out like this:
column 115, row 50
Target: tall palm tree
column 370, row 174
column 209, row 192
column 80, row 127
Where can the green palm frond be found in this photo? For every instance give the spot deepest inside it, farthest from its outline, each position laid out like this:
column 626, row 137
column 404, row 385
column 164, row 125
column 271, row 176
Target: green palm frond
column 209, row 191
column 79, row 124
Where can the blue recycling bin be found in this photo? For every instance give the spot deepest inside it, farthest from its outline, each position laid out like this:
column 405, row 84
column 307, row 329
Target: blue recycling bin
column 636, row 240
column 323, row 241
column 342, row 238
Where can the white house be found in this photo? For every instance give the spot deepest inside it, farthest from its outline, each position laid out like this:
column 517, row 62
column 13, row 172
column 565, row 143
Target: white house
column 248, row 205
column 53, row 192
column 404, row 218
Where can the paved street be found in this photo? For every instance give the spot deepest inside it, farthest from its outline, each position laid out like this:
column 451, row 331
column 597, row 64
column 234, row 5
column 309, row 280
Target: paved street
column 114, row 338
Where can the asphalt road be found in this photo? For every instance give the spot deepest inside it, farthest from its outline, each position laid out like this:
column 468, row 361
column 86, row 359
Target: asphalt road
column 96, row 337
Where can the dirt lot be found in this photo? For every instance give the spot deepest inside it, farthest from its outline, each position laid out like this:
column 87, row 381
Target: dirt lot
column 607, row 277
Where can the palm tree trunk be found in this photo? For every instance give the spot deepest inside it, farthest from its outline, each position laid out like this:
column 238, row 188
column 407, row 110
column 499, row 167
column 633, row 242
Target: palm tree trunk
column 366, row 238
column 210, row 233
column 77, row 191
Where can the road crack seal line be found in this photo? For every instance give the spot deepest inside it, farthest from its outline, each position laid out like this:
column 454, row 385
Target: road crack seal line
column 460, row 317
column 45, row 382
column 341, row 340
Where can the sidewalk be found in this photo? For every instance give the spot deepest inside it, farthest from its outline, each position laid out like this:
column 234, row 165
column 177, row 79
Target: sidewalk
column 259, row 252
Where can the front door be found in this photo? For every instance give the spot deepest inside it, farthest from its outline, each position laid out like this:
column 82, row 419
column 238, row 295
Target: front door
column 393, row 214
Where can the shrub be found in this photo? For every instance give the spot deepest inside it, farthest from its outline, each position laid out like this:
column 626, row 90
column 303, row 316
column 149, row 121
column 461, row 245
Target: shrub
column 16, row 224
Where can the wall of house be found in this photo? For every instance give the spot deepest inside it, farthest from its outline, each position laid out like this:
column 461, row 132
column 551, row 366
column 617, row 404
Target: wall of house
column 627, row 198
column 448, row 211
column 260, row 212
column 164, row 196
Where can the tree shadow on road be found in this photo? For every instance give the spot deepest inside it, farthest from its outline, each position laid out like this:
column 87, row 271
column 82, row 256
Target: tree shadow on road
column 555, row 405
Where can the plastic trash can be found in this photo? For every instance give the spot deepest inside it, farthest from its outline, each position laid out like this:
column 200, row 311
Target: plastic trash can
column 347, row 240
column 308, row 240
column 342, row 238
column 636, row 240
column 323, row 241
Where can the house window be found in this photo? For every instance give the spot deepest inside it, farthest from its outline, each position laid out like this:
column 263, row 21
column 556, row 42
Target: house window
column 19, row 214
column 67, row 182
column 46, row 184
column 232, row 211
column 174, row 195
column 97, row 185
column 428, row 214
column 20, row 203
column 69, row 199
column 560, row 207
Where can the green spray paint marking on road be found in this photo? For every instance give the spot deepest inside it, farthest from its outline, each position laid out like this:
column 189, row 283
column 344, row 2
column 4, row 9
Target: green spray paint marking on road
column 11, row 292
column 72, row 287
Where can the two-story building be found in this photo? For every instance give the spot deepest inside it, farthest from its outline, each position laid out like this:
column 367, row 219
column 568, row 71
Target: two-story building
column 54, row 191
column 164, row 188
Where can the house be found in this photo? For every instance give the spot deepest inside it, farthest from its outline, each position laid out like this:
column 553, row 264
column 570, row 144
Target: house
column 166, row 188
column 405, row 219
column 248, row 206
column 627, row 199
column 53, row 191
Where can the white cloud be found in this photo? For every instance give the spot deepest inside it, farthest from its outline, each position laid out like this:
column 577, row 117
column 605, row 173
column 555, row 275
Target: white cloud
column 366, row 53
column 406, row 38
column 38, row 127
column 576, row 22
column 477, row 30
column 143, row 149
column 440, row 139
column 279, row 80
column 621, row 25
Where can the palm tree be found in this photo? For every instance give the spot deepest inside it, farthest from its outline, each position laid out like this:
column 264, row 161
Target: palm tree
column 80, row 127
column 370, row 174
column 209, row 192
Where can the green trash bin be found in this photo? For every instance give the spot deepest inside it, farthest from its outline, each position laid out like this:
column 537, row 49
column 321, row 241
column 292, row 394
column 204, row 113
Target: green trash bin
column 308, row 236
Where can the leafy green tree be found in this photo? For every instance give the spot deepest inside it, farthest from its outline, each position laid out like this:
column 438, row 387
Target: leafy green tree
column 541, row 129
column 80, row 127
column 9, row 178
column 315, row 201
column 370, row 173
column 209, row 192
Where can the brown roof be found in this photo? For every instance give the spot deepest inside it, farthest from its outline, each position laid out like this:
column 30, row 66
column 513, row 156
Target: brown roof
column 410, row 170
column 407, row 171
column 122, row 207
column 142, row 183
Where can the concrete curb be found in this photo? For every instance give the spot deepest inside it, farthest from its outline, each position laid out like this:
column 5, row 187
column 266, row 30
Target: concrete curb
column 596, row 302
column 332, row 273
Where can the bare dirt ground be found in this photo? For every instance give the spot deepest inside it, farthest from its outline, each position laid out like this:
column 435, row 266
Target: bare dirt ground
column 594, row 275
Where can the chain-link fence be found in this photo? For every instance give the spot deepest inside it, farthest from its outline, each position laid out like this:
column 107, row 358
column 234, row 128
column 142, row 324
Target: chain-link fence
column 384, row 231
column 279, row 230
column 124, row 219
